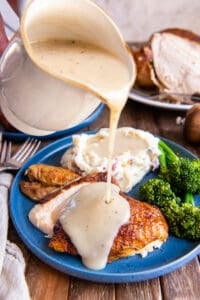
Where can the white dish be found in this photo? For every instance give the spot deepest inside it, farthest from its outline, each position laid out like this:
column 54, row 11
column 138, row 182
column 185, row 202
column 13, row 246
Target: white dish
column 144, row 97
column 28, row 96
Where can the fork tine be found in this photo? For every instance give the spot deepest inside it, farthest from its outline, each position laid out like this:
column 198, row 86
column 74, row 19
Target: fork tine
column 37, row 145
column 8, row 152
column 30, row 150
column 3, row 152
column 15, row 162
column 31, row 146
column 21, row 149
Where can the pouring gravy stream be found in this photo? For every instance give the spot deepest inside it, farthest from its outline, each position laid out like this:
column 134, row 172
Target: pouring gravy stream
column 108, row 77
column 93, row 66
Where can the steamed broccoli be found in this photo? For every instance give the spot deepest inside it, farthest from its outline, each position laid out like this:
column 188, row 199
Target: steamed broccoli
column 158, row 192
column 183, row 217
column 182, row 173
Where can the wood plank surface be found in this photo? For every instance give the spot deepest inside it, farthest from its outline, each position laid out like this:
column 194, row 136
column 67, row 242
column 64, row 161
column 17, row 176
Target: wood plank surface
column 187, row 287
column 46, row 283
column 149, row 289
column 137, row 20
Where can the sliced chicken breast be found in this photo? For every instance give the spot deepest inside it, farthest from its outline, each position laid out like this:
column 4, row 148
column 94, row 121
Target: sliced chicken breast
column 45, row 215
column 147, row 229
column 176, row 60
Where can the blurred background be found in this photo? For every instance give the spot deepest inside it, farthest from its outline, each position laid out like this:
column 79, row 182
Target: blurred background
column 11, row 21
column 137, row 19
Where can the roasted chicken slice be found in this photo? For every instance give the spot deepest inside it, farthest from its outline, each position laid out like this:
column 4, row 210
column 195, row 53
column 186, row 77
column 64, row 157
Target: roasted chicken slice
column 176, row 60
column 146, row 229
column 36, row 190
column 45, row 215
column 50, row 175
column 170, row 61
column 145, row 72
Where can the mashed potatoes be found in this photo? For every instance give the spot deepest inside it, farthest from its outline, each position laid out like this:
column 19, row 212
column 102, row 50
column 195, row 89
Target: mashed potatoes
column 136, row 153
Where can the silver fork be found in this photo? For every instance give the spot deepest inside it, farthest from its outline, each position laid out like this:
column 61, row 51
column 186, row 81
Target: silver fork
column 5, row 152
column 8, row 162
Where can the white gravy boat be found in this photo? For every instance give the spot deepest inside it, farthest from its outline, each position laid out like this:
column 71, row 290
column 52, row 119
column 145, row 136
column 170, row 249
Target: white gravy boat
column 79, row 20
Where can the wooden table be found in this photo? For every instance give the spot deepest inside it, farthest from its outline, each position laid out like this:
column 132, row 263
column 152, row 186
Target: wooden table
column 183, row 284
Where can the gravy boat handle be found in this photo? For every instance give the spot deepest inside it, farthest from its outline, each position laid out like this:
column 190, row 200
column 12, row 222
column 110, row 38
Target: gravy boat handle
column 11, row 59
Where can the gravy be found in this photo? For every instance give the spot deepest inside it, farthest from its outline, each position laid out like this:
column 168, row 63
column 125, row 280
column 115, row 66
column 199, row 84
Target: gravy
column 82, row 62
column 92, row 224
column 109, row 78
column 92, row 66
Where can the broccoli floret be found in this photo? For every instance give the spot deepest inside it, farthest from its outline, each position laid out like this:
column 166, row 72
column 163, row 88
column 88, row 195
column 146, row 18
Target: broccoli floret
column 182, row 173
column 158, row 192
column 184, row 220
column 182, row 216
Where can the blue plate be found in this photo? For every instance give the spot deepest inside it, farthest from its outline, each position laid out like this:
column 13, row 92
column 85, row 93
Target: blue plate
column 19, row 136
column 173, row 254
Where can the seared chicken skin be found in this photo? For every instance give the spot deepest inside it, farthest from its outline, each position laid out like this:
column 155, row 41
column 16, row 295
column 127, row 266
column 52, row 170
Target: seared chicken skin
column 147, row 228
column 50, row 175
column 45, row 214
column 36, row 190
column 44, row 179
column 145, row 72
column 186, row 34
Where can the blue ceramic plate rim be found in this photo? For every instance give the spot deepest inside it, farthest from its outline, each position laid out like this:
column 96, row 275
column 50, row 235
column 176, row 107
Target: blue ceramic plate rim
column 121, row 271
column 18, row 136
